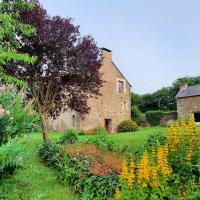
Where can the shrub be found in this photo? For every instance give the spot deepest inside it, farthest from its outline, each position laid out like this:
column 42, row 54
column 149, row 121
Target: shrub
column 157, row 117
column 70, row 137
column 99, row 187
column 19, row 120
column 102, row 140
column 49, row 152
column 11, row 157
column 153, row 117
column 155, row 139
column 127, row 126
column 92, row 172
column 137, row 116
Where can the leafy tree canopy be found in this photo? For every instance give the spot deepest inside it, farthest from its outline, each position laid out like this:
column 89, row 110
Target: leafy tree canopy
column 66, row 72
column 163, row 99
column 10, row 29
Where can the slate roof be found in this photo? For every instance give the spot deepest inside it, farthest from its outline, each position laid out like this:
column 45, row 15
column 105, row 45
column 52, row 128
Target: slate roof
column 189, row 92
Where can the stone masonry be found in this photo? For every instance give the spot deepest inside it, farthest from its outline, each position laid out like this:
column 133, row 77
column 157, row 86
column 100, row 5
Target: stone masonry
column 108, row 110
column 188, row 105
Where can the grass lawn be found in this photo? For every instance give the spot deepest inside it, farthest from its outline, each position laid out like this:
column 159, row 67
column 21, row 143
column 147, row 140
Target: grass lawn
column 36, row 181
column 133, row 138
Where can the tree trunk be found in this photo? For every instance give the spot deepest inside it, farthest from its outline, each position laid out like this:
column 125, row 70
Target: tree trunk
column 44, row 127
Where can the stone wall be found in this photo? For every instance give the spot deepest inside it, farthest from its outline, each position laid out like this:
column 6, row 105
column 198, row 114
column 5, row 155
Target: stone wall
column 112, row 104
column 188, row 105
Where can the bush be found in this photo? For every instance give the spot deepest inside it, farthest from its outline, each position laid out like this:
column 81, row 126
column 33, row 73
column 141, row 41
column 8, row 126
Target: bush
column 153, row 117
column 157, row 117
column 136, row 115
column 92, row 172
column 127, row 126
column 99, row 187
column 49, row 152
column 155, row 139
column 102, row 140
column 19, row 120
column 70, row 137
column 11, row 157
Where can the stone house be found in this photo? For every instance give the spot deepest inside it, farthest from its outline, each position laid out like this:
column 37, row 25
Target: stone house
column 188, row 101
column 108, row 110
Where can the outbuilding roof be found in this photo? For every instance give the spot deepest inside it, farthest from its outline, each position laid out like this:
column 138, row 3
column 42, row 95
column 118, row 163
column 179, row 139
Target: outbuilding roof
column 191, row 91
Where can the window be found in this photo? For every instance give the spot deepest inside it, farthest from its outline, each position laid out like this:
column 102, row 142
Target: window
column 120, row 86
column 124, row 105
column 197, row 117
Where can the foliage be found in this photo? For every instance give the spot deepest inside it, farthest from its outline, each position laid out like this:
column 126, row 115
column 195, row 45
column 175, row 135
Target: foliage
column 49, row 152
column 127, row 126
column 34, row 180
column 153, row 117
column 85, row 167
column 19, row 118
column 102, row 140
column 70, row 137
column 91, row 171
column 137, row 116
column 155, row 139
column 64, row 59
column 164, row 98
column 10, row 28
column 168, row 168
column 94, row 187
column 11, row 157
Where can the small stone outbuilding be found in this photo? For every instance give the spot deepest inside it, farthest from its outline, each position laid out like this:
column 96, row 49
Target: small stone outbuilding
column 188, row 101
column 108, row 110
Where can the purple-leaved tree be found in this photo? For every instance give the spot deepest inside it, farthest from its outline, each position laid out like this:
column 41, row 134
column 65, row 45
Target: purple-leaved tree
column 66, row 72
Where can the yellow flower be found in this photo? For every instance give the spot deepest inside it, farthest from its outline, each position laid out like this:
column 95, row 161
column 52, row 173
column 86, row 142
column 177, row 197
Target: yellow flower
column 144, row 170
column 131, row 175
column 117, row 194
column 189, row 153
column 163, row 165
column 124, row 173
column 154, row 177
column 173, row 135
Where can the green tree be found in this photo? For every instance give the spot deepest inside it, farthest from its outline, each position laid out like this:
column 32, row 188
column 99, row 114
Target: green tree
column 10, row 32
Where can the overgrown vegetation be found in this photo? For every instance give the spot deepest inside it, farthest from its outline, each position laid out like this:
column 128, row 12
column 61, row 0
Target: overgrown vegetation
column 11, row 157
column 168, row 167
column 18, row 118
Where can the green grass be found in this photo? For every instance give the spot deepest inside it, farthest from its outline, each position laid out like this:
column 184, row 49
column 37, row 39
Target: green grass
column 132, row 138
column 35, row 181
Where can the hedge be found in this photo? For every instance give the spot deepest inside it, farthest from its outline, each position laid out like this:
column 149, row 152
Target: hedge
column 154, row 116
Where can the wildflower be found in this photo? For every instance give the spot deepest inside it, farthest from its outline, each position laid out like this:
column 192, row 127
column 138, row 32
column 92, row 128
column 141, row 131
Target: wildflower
column 117, row 194
column 153, row 152
column 144, row 170
column 192, row 128
column 154, row 177
column 173, row 134
column 182, row 122
column 163, row 165
column 131, row 175
column 124, row 174
column 189, row 153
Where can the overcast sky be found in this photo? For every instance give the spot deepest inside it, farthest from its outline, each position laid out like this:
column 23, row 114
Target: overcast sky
column 153, row 41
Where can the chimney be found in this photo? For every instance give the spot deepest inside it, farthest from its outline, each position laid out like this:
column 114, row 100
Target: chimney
column 107, row 54
column 183, row 86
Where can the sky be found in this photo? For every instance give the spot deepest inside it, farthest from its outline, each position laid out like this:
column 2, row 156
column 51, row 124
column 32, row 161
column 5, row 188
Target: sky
column 153, row 42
